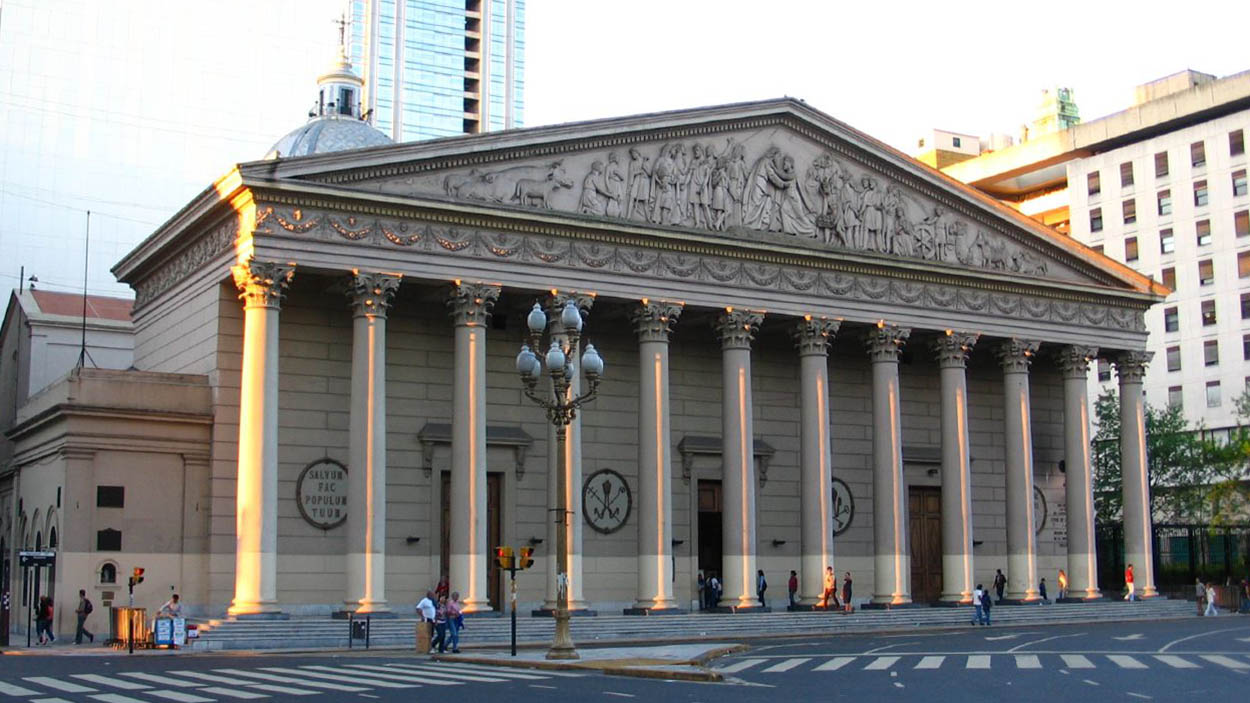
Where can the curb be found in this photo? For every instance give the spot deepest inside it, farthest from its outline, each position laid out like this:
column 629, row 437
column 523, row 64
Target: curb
column 694, row 669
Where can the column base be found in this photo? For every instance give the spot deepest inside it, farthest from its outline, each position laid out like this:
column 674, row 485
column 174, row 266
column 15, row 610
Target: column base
column 655, row 611
column 573, row 612
column 734, row 609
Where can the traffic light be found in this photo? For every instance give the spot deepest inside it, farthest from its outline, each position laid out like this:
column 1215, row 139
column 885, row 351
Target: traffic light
column 137, row 577
column 527, row 558
column 503, row 555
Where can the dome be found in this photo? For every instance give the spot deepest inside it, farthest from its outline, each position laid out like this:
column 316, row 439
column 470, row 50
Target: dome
column 326, row 134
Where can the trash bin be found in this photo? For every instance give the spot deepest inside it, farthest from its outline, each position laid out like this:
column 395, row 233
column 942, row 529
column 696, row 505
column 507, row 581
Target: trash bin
column 425, row 634
column 358, row 629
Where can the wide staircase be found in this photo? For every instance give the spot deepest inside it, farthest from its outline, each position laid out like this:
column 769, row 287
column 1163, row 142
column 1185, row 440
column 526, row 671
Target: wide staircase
column 324, row 633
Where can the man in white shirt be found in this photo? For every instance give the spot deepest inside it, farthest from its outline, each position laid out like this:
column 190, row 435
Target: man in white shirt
column 426, row 607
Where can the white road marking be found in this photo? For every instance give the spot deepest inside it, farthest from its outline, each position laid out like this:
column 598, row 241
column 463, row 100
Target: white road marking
column 49, row 700
column 1225, row 661
column 115, row 698
column 12, row 690
column 978, row 661
column 325, row 672
column 740, row 665
column 1044, row 639
column 1130, row 638
column 1028, row 661
column 834, row 664
column 930, row 663
column 1010, row 637
column 250, row 684
column 786, row 665
column 484, row 671
column 433, row 677
column 287, row 679
column 881, row 663
column 539, row 685
column 1169, row 645
column 1091, row 683
column 162, row 680
column 110, row 681
column 58, row 684
column 1138, row 695
column 1124, row 661
column 889, row 646
column 180, row 697
column 233, row 693
column 622, row 695
column 1077, row 661
column 1176, row 662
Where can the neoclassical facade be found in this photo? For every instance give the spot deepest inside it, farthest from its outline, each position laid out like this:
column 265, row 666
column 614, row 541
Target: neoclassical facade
column 819, row 352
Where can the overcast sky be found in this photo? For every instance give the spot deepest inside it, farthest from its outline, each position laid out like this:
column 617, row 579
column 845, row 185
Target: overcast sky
column 128, row 108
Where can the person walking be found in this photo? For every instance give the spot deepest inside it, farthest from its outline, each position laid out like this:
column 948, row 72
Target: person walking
column 440, row 627
column 1000, row 582
column 455, row 621
column 1211, row 609
column 43, row 621
column 713, row 587
column 1128, row 582
column 830, row 590
column 702, row 591
column 846, row 592
column 1200, row 594
column 979, row 614
column 1041, row 591
column 986, row 604
column 1063, row 585
column 793, row 587
column 761, row 585
column 82, row 611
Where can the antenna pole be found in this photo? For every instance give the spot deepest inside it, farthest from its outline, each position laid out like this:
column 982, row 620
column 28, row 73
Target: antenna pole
column 86, row 248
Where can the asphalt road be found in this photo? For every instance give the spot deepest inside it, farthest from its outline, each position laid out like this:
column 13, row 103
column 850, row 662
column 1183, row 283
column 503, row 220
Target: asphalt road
column 1182, row 660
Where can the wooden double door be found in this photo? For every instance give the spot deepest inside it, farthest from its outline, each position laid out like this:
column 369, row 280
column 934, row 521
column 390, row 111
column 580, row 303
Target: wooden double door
column 924, row 510
column 494, row 536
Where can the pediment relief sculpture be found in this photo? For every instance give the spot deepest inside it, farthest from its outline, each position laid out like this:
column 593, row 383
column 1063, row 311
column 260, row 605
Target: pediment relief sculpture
column 742, row 184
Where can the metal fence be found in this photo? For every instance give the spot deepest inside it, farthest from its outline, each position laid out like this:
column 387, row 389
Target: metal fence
column 1182, row 553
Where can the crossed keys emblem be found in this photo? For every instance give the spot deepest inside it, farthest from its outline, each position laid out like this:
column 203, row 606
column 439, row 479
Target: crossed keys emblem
column 606, row 500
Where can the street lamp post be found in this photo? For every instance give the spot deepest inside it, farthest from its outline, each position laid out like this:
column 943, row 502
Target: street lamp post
column 561, row 408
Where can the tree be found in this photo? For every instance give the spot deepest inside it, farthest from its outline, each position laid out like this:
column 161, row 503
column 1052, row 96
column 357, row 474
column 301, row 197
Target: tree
column 1192, row 478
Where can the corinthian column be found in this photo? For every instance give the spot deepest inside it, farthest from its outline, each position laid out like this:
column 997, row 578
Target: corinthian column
column 952, row 351
column 653, row 322
column 572, row 463
column 736, row 329
column 369, row 295
column 1079, row 494
column 892, row 559
column 470, row 305
column 261, row 286
column 812, row 336
column 1015, row 355
column 1138, row 547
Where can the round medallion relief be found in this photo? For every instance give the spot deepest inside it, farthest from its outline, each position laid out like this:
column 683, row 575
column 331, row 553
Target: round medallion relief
column 1039, row 510
column 843, row 506
column 321, row 493
column 606, row 501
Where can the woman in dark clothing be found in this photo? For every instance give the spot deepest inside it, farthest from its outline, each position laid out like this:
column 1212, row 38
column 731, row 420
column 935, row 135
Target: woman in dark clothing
column 846, row 592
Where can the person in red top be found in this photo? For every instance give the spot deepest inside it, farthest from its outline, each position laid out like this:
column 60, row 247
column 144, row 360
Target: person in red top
column 794, row 586
column 1128, row 581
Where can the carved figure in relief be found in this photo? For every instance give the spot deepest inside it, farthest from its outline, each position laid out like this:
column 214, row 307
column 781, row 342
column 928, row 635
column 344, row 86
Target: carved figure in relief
column 503, row 186
column 453, row 184
column 639, row 181
column 614, row 186
column 872, row 214
column 537, row 192
column 594, row 200
column 849, row 222
column 736, row 167
column 683, row 169
column 892, row 215
column 700, row 195
column 664, row 187
column 722, row 201
column 773, row 200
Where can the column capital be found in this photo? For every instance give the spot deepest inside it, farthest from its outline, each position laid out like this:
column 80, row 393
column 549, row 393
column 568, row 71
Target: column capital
column 555, row 303
column 884, row 342
column 1130, row 366
column 654, row 319
column 370, row 294
column 812, row 335
column 262, row 284
column 952, row 348
column 470, row 303
column 1015, row 355
column 736, row 328
column 1073, row 360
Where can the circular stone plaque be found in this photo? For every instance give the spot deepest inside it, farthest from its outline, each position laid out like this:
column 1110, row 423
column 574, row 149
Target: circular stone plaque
column 1039, row 510
column 843, row 506
column 321, row 493
column 606, row 501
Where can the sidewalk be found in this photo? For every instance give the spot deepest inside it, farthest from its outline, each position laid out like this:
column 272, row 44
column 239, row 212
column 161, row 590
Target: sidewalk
column 682, row 662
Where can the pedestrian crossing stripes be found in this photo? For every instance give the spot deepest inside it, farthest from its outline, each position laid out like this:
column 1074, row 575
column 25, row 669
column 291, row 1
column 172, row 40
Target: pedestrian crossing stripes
column 267, row 682
column 930, row 662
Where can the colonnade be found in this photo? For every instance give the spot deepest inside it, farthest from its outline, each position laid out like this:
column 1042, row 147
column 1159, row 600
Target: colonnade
column 262, row 286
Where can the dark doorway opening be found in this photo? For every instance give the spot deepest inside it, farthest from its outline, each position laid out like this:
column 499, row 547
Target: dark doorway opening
column 710, row 543
column 494, row 536
column 924, row 510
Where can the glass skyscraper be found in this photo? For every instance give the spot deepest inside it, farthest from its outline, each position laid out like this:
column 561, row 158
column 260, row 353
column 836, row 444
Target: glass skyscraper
column 437, row 68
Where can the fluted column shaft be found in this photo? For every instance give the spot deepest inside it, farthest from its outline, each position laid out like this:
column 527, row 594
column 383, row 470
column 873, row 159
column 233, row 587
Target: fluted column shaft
column 892, row 558
column 1015, row 356
column 952, row 351
column 653, row 322
column 1135, row 481
column 1079, row 488
column 572, row 463
column 369, row 295
column 812, row 336
column 261, row 286
column 469, row 304
column 736, row 329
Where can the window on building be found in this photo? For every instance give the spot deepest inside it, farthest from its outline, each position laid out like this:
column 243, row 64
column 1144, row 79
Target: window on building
column 1208, row 313
column 1239, row 182
column 956, row 141
column 1161, row 164
column 1167, row 242
column 1211, row 352
column 1104, row 370
column 1093, row 182
column 1245, row 347
column 1198, row 154
column 1236, row 142
column 1168, row 277
column 1213, row 394
column 1241, row 223
column 1176, row 398
column 1171, row 319
column 1200, row 193
column 1097, row 248
column 1130, row 248
column 1165, row 201
column 110, row 496
column 1245, row 306
column 108, row 574
column 1126, row 174
column 108, row 540
column 1129, row 208
column 1202, row 229
column 1206, row 272
column 1095, row 220
column 1174, row 358
column 1243, row 264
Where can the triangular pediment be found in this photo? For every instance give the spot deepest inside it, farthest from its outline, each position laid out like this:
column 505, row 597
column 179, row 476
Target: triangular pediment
column 773, row 172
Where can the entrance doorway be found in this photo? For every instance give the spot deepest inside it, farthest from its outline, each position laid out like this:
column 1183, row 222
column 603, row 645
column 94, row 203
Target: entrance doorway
column 710, row 544
column 494, row 535
column 924, row 509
